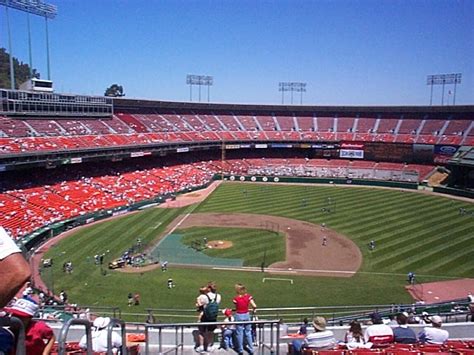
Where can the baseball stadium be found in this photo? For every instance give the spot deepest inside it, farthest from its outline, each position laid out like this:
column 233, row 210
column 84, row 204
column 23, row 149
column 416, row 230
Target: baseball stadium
column 124, row 208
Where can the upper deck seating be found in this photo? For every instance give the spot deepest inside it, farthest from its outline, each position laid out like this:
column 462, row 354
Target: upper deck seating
column 266, row 122
column 305, row 123
column 345, row 124
column 230, row 122
column 13, row 127
column 211, row 122
column 325, row 124
column 247, row 122
column 133, row 122
column 46, row 127
column 286, row 123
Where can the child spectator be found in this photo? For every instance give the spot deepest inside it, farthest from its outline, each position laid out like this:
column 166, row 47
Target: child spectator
column 228, row 330
column 304, row 327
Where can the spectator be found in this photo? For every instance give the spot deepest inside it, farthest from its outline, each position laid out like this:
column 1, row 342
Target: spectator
column 242, row 301
column 63, row 296
column 402, row 334
column 99, row 336
column 321, row 339
column 304, row 327
column 136, row 299
column 434, row 334
column 210, row 311
column 39, row 337
column 228, row 330
column 470, row 298
column 378, row 333
column 354, row 337
column 201, row 300
column 14, row 269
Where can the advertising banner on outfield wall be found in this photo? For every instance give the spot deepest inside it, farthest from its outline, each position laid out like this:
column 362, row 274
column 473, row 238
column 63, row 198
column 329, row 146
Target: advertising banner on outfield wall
column 351, row 153
column 182, row 150
column 232, row 146
column 323, row 146
column 139, row 154
column 352, row 145
column 443, row 149
column 443, row 152
column 261, row 146
column 279, row 145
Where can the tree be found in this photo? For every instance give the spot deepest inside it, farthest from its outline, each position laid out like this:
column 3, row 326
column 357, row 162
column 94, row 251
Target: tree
column 22, row 70
column 114, row 90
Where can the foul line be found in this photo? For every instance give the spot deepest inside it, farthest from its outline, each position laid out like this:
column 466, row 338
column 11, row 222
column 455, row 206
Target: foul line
column 294, row 271
column 182, row 220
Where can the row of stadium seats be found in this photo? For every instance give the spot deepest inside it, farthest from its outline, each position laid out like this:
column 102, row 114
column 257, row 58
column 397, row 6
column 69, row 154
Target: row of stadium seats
column 451, row 347
column 124, row 129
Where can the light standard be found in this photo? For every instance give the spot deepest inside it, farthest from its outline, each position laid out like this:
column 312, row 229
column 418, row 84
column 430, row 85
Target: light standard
column 292, row 87
column 199, row 80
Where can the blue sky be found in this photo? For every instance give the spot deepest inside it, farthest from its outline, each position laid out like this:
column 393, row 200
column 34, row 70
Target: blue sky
column 349, row 52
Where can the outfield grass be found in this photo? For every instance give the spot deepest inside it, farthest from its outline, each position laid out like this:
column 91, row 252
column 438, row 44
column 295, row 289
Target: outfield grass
column 413, row 232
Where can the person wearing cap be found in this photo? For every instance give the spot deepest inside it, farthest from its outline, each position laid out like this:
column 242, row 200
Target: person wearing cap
column 39, row 337
column 378, row 334
column 402, row 334
column 99, row 336
column 14, row 269
column 321, row 339
column 228, row 330
column 434, row 334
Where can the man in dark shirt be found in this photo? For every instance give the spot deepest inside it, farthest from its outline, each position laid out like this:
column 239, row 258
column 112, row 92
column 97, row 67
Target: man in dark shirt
column 402, row 334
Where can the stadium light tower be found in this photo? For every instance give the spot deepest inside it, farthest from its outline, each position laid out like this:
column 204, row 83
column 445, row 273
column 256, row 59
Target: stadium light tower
column 199, row 80
column 443, row 79
column 292, row 87
column 35, row 7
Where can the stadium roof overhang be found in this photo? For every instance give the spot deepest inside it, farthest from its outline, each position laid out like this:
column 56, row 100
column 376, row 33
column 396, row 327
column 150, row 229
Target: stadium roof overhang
column 137, row 104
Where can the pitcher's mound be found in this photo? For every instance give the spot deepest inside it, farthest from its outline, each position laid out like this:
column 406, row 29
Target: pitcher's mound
column 219, row 244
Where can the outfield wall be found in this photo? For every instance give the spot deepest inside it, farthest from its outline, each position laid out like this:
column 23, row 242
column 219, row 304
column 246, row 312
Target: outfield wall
column 454, row 192
column 308, row 180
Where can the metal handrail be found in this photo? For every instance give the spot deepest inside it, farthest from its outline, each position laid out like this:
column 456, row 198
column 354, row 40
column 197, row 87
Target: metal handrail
column 273, row 347
column 65, row 329
column 110, row 328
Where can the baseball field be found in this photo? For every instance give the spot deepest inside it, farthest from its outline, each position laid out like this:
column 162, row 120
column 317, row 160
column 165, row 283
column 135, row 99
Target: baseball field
column 316, row 236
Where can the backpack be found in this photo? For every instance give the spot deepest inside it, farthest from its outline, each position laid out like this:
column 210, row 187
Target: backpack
column 211, row 310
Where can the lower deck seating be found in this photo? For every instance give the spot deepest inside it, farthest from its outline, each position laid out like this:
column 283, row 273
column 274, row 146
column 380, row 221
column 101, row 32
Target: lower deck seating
column 24, row 210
